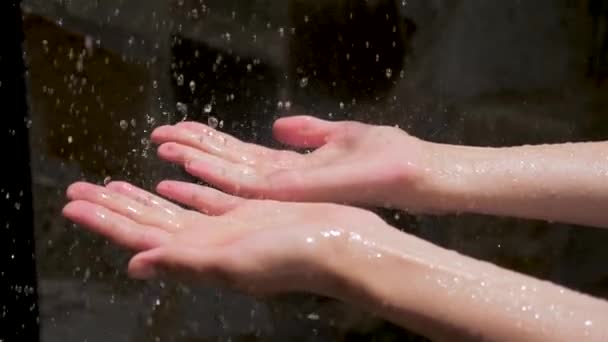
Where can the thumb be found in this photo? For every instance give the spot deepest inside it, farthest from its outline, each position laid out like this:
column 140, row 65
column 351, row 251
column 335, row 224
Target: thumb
column 179, row 262
column 305, row 131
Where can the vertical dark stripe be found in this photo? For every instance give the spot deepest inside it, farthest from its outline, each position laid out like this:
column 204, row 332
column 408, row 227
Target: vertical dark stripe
column 18, row 290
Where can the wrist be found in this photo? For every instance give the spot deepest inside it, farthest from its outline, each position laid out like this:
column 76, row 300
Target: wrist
column 392, row 275
column 439, row 179
column 461, row 178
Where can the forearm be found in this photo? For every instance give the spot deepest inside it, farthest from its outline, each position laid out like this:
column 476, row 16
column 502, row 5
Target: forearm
column 563, row 183
column 447, row 296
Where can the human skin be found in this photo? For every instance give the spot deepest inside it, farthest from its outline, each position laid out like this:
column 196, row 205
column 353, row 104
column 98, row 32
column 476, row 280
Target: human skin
column 264, row 247
column 369, row 165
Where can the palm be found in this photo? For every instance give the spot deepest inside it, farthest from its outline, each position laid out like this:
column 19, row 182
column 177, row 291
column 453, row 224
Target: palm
column 352, row 162
column 252, row 245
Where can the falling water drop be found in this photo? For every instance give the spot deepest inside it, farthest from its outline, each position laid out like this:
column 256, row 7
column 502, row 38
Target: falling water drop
column 303, row 82
column 213, row 122
column 389, row 73
column 124, row 125
column 88, row 44
column 208, row 107
column 182, row 108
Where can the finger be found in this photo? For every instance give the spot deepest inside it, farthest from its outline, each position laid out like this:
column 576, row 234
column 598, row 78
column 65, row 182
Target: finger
column 236, row 179
column 305, row 131
column 181, row 154
column 188, row 263
column 124, row 206
column 144, row 197
column 204, row 199
column 211, row 142
column 230, row 176
column 199, row 128
column 114, row 226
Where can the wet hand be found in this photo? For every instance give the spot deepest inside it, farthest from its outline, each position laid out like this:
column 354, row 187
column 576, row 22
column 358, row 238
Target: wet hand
column 351, row 163
column 257, row 246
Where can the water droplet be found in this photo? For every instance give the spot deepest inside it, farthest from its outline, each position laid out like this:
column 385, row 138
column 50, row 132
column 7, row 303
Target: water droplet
column 303, row 82
column 213, row 122
column 192, row 86
column 305, row 18
column 17, row 205
column 588, row 323
column 154, row 84
column 208, row 108
column 133, row 122
column 182, row 108
column 124, row 124
column 107, row 180
column 281, row 31
column 180, row 80
column 313, row 316
column 249, row 67
column 341, row 105
column 70, row 139
column 280, row 105
column 389, row 73
column 288, row 105
column 88, row 44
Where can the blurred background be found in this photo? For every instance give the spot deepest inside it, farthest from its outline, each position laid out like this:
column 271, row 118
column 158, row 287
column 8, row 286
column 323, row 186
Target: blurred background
column 102, row 74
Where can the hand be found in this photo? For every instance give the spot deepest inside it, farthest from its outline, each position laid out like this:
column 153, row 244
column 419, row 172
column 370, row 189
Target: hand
column 353, row 162
column 259, row 247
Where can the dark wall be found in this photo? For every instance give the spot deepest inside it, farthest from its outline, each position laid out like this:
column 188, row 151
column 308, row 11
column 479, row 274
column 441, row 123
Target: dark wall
column 18, row 288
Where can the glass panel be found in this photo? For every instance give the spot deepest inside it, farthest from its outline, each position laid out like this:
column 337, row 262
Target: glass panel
column 103, row 74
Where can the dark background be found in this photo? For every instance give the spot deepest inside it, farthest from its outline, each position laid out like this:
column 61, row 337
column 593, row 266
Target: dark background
column 102, row 74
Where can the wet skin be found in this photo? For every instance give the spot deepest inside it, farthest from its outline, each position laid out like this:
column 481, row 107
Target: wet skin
column 263, row 246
